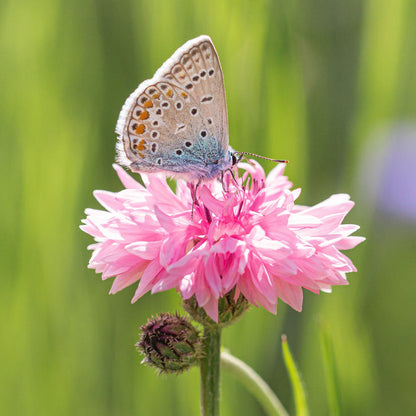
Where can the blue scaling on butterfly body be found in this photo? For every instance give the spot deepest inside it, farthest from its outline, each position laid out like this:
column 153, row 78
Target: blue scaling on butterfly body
column 206, row 160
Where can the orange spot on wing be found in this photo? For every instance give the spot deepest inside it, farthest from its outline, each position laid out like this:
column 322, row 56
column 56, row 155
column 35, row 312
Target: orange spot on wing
column 169, row 92
column 144, row 115
column 184, row 94
column 140, row 129
column 157, row 95
column 141, row 155
column 141, row 145
column 148, row 104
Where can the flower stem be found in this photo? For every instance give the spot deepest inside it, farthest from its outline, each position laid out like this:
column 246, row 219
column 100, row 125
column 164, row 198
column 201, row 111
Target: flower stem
column 210, row 371
column 254, row 383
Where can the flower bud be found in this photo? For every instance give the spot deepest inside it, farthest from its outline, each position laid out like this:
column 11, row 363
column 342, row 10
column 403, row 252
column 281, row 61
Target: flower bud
column 229, row 309
column 170, row 343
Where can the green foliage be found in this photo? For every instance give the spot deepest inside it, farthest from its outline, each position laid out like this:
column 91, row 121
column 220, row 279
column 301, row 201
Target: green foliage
column 306, row 81
column 299, row 392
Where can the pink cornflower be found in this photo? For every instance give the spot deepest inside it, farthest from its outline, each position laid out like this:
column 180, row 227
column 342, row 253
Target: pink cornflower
column 251, row 237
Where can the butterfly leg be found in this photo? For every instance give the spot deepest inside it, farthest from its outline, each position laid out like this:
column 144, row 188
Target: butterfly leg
column 222, row 181
column 194, row 201
column 233, row 176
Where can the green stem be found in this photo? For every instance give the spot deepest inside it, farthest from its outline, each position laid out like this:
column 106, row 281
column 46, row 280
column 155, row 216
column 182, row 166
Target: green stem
column 210, row 371
column 254, row 383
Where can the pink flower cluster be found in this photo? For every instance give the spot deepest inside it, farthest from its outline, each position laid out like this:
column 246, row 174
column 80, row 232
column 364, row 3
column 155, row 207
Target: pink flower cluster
column 251, row 237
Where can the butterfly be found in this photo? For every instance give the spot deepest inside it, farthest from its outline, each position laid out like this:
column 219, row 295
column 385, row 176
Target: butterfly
column 177, row 121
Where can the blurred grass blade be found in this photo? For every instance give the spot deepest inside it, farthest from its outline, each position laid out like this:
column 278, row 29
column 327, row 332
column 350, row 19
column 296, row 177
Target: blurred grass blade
column 254, row 383
column 296, row 380
column 332, row 386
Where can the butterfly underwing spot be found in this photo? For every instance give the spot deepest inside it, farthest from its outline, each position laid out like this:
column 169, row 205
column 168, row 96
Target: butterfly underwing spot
column 206, row 49
column 180, row 127
column 179, row 72
column 165, row 104
column 184, row 94
column 194, row 111
column 211, row 72
column 159, row 161
column 202, row 73
column 155, row 134
column 144, row 115
column 188, row 144
column 135, row 140
column 143, row 99
column 153, row 93
column 195, row 78
column 189, row 86
column 209, row 119
column 141, row 146
column 163, row 87
column 179, row 152
column 156, row 123
column 186, row 62
column 203, row 133
column 148, row 104
column 169, row 93
column 207, row 98
column 154, row 147
column 133, row 126
column 195, row 54
column 159, row 112
column 140, row 129
column 178, row 105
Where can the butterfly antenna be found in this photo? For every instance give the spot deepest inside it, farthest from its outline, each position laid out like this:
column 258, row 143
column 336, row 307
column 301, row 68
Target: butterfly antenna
column 242, row 154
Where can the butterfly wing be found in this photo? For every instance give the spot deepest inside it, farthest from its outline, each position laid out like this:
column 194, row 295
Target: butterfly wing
column 177, row 121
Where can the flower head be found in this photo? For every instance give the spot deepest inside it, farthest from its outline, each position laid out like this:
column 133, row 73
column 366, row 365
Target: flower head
column 247, row 235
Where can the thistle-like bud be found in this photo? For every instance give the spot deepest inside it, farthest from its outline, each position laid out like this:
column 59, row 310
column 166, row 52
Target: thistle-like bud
column 229, row 309
column 170, row 343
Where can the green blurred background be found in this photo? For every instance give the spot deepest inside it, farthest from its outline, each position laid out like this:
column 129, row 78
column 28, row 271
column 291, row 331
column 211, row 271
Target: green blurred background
column 321, row 83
